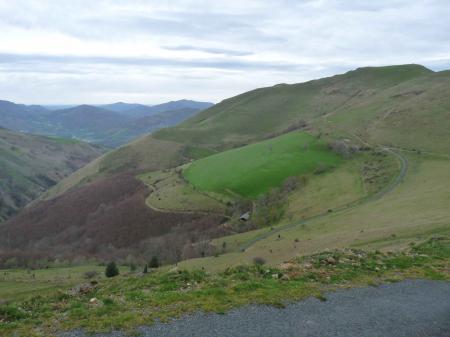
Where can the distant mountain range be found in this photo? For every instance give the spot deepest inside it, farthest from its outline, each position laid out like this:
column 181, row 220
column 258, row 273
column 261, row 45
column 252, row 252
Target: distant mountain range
column 110, row 125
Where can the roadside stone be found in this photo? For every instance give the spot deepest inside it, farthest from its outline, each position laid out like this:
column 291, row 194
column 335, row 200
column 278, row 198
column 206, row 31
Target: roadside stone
column 285, row 277
column 81, row 289
column 287, row 266
column 331, row 260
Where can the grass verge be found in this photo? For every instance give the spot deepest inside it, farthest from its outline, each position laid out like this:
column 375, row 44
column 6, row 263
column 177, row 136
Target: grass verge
column 126, row 302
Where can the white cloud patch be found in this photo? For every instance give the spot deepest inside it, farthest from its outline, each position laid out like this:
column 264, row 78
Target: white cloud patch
column 54, row 51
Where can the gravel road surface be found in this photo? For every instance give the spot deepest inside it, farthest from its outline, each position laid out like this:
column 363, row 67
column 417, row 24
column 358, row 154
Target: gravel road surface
column 413, row 308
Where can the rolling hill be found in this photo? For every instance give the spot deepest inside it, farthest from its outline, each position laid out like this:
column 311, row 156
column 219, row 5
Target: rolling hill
column 404, row 108
column 30, row 164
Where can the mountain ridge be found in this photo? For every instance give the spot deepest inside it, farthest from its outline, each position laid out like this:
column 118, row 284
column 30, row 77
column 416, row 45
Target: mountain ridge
column 96, row 124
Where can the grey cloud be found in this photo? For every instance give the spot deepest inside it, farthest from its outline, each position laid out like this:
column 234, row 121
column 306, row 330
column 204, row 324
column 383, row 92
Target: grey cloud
column 44, row 60
column 285, row 41
column 218, row 51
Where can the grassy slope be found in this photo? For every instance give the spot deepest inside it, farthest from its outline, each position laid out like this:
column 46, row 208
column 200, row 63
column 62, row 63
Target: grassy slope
column 30, row 164
column 357, row 178
column 411, row 115
column 254, row 169
column 17, row 284
column 254, row 115
column 418, row 206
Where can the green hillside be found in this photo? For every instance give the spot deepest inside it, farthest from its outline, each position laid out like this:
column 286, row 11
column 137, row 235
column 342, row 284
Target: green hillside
column 258, row 113
column 375, row 102
column 254, row 169
column 412, row 115
column 415, row 209
column 31, row 164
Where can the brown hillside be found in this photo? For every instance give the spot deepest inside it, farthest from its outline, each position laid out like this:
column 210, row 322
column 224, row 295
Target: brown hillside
column 107, row 218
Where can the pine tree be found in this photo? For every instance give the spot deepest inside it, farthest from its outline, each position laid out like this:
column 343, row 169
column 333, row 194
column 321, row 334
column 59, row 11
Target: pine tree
column 111, row 270
column 154, row 262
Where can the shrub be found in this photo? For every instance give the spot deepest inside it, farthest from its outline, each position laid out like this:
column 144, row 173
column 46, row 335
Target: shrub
column 111, row 270
column 259, row 261
column 11, row 313
column 154, row 262
column 145, row 271
column 321, row 168
column 90, row 274
column 342, row 148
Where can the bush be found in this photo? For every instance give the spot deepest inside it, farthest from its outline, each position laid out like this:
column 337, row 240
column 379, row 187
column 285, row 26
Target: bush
column 259, row 261
column 154, row 262
column 90, row 274
column 321, row 168
column 11, row 313
column 145, row 271
column 111, row 270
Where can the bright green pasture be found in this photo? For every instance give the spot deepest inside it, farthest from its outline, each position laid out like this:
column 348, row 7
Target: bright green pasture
column 254, row 169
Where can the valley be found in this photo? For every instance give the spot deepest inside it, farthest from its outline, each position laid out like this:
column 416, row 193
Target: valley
column 29, row 165
column 271, row 182
column 299, row 160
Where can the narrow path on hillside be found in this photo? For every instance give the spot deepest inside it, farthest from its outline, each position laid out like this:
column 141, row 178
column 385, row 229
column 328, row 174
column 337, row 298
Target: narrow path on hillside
column 414, row 308
column 179, row 211
column 403, row 161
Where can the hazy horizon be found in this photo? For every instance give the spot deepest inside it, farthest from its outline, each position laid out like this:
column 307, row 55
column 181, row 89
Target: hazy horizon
column 149, row 52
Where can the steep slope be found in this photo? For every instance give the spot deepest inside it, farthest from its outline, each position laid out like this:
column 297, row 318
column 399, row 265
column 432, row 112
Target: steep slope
column 106, row 219
column 412, row 115
column 31, row 164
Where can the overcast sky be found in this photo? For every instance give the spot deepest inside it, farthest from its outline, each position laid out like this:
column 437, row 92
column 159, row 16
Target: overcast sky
column 103, row 51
